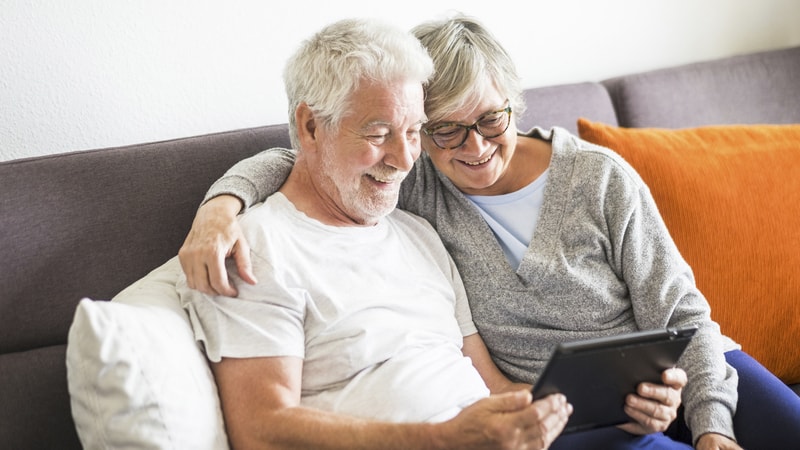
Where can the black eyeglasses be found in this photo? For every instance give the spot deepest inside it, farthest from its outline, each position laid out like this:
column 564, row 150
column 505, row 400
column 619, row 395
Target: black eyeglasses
column 448, row 136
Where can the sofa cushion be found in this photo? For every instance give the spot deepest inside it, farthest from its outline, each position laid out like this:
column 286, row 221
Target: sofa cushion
column 730, row 196
column 35, row 404
column 761, row 87
column 136, row 376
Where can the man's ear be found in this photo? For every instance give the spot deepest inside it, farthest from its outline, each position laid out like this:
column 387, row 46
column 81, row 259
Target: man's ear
column 306, row 126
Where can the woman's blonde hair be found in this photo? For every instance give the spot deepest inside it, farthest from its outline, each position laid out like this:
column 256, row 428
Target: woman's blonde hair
column 467, row 59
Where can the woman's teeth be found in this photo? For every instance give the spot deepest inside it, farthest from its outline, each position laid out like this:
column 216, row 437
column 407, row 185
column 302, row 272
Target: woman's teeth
column 478, row 163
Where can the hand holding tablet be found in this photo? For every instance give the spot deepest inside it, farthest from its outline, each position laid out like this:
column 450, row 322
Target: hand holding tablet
column 596, row 374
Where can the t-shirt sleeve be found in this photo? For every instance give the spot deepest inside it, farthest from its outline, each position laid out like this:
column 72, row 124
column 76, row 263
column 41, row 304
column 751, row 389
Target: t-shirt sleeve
column 463, row 312
column 264, row 320
column 433, row 244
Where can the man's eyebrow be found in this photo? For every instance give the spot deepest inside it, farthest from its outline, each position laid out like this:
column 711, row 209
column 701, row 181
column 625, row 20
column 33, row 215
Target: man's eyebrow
column 383, row 123
column 375, row 123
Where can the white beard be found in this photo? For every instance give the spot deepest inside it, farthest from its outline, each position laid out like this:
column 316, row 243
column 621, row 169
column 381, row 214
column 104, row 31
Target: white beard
column 358, row 198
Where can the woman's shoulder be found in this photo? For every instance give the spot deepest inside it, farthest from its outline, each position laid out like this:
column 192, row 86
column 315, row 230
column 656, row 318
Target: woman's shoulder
column 594, row 158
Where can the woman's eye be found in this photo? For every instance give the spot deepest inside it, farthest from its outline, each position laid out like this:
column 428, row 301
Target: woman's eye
column 491, row 120
column 446, row 133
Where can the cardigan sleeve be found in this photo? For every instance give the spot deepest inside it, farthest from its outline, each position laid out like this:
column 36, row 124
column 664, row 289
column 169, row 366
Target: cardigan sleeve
column 254, row 179
column 663, row 293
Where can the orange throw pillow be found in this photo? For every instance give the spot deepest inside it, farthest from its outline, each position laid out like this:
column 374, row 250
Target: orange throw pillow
column 730, row 196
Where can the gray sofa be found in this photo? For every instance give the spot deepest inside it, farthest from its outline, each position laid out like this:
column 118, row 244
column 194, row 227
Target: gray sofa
column 87, row 224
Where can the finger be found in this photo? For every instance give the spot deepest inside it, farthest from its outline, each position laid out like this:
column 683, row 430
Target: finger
column 674, row 377
column 549, row 415
column 642, row 423
column 651, row 415
column 666, row 395
column 563, row 410
column 197, row 278
column 193, row 267
column 241, row 254
column 512, row 401
column 188, row 272
column 218, row 278
column 653, row 408
column 201, row 279
column 187, row 263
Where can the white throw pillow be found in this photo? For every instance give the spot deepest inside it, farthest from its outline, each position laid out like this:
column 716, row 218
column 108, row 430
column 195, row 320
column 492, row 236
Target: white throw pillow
column 136, row 376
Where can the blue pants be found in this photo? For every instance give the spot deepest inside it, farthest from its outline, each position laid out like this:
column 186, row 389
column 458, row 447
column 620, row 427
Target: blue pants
column 768, row 413
column 767, row 417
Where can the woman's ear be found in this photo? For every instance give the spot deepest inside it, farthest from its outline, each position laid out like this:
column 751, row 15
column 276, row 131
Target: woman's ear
column 306, row 126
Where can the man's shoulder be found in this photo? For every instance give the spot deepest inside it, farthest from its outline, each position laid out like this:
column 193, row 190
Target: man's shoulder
column 263, row 219
column 409, row 219
column 417, row 229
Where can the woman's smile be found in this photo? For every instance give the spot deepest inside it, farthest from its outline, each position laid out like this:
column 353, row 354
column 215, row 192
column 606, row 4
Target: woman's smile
column 480, row 162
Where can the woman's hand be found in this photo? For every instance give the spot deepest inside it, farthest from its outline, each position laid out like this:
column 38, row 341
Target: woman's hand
column 214, row 237
column 655, row 406
column 714, row 441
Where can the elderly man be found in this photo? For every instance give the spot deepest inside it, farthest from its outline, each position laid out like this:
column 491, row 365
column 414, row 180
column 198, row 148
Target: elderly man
column 358, row 334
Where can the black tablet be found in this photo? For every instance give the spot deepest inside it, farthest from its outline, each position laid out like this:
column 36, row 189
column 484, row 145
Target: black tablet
column 596, row 374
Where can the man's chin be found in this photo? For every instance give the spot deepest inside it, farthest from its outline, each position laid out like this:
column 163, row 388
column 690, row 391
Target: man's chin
column 376, row 212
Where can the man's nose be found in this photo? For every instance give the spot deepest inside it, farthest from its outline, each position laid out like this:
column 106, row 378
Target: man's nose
column 402, row 154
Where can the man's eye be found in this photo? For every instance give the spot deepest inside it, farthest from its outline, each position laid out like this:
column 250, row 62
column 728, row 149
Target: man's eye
column 377, row 139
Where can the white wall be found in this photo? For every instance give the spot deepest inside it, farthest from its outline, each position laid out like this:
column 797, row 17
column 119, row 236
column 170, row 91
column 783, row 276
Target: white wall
column 86, row 74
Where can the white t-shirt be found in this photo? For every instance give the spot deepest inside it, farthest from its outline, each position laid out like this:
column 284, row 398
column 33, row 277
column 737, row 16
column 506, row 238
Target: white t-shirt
column 378, row 314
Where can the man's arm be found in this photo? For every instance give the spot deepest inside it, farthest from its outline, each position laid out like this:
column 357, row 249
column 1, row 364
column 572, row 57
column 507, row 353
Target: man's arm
column 261, row 404
column 215, row 234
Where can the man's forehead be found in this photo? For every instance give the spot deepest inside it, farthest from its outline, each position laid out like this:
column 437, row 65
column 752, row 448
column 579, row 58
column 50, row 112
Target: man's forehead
column 392, row 105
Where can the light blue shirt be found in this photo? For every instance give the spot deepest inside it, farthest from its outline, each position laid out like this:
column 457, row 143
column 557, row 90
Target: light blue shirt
column 512, row 217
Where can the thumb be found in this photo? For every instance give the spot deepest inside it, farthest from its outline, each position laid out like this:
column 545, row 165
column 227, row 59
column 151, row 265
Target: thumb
column 511, row 401
column 241, row 254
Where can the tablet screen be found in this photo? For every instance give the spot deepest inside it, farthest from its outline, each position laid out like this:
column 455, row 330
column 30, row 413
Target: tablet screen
column 596, row 374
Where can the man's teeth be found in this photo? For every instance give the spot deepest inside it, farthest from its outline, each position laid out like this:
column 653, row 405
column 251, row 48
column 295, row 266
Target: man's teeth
column 478, row 163
column 382, row 180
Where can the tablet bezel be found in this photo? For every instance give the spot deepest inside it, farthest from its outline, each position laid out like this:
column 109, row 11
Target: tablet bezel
column 596, row 374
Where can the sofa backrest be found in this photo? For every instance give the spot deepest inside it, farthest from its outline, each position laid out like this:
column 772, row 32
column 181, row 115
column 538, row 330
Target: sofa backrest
column 89, row 224
column 562, row 105
column 761, row 87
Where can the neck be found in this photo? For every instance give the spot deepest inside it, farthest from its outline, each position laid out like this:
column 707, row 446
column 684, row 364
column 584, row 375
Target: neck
column 309, row 197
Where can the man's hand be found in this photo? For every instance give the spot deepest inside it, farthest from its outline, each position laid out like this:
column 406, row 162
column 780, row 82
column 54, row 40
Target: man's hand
column 509, row 421
column 656, row 405
column 714, row 441
column 215, row 236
